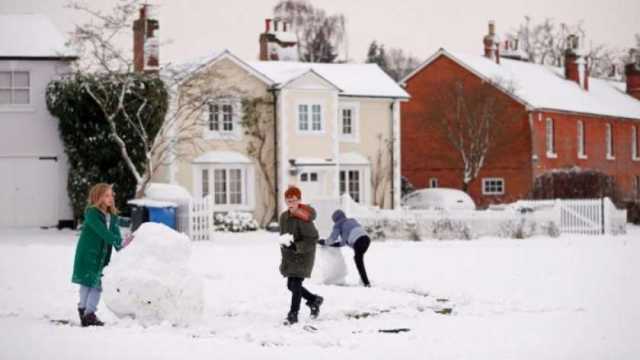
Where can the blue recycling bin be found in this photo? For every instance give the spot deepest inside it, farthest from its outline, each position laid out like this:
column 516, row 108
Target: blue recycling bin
column 164, row 215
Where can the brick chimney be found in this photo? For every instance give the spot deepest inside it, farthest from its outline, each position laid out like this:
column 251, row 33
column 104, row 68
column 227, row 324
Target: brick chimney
column 575, row 65
column 492, row 43
column 145, row 41
column 278, row 43
column 632, row 72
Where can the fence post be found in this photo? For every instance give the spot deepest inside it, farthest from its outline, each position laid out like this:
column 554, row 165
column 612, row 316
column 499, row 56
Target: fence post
column 606, row 215
column 557, row 209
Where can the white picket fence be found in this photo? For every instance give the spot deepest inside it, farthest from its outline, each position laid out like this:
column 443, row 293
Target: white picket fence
column 196, row 219
column 582, row 216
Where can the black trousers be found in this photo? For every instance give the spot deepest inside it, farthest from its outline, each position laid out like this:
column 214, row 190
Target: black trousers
column 360, row 247
column 294, row 284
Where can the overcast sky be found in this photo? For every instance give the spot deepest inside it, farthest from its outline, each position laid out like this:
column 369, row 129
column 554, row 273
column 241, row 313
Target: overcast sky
column 199, row 27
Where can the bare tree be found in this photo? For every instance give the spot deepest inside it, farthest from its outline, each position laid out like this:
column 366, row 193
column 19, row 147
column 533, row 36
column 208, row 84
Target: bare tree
column 381, row 171
column 321, row 37
column 394, row 61
column 545, row 42
column 473, row 119
column 118, row 85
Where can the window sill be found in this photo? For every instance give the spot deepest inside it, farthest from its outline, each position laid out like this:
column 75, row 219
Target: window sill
column 213, row 135
column 492, row 194
column 582, row 157
column 240, row 207
column 349, row 139
column 552, row 155
column 635, row 159
column 609, row 157
column 310, row 133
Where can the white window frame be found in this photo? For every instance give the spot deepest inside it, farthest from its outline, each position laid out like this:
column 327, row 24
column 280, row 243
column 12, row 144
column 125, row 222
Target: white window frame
column 434, row 183
column 361, row 182
column 12, row 88
column 246, row 185
column 354, row 137
column 634, row 143
column 236, row 115
column 581, row 145
column 609, row 142
column 550, row 138
column 486, row 182
column 310, row 123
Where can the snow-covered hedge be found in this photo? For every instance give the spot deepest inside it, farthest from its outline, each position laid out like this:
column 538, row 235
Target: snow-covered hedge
column 235, row 222
column 418, row 225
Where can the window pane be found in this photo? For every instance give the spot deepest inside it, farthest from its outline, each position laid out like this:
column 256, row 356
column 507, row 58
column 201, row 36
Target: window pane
column 313, row 176
column 346, row 122
column 205, row 182
column 550, row 134
column 235, row 186
column 5, row 97
column 354, row 185
column 343, row 182
column 21, row 79
column 5, row 80
column 220, row 186
column 227, row 122
column 21, row 96
column 214, row 124
column 303, row 177
column 316, row 118
column 303, row 117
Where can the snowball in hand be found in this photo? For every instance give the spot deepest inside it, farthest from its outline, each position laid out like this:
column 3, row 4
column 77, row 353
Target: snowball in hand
column 150, row 279
column 285, row 239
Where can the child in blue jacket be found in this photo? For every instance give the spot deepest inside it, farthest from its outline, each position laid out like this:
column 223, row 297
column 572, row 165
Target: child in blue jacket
column 347, row 231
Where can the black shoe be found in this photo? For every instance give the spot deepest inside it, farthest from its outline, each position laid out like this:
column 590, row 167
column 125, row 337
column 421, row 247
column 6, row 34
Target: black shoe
column 292, row 318
column 315, row 306
column 81, row 313
column 91, row 320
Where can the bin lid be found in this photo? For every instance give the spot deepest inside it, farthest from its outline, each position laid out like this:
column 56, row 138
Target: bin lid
column 151, row 203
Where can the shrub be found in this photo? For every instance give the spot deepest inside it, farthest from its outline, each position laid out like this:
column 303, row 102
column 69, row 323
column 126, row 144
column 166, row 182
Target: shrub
column 235, row 222
column 450, row 229
column 575, row 183
column 633, row 212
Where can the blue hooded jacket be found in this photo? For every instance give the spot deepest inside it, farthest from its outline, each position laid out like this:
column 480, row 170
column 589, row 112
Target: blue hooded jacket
column 345, row 230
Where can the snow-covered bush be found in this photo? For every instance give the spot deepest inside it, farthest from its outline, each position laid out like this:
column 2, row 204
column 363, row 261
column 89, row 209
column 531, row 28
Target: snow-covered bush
column 517, row 228
column 450, row 229
column 235, row 221
column 150, row 280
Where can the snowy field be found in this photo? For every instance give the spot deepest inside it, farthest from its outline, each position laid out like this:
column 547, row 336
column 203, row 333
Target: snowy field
column 572, row 297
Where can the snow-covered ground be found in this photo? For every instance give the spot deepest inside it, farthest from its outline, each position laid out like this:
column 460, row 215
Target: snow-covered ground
column 572, row 297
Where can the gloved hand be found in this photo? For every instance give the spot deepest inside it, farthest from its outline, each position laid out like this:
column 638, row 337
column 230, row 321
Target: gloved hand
column 322, row 242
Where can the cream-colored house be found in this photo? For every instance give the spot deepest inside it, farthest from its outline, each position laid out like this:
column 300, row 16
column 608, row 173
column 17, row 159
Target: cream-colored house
column 327, row 128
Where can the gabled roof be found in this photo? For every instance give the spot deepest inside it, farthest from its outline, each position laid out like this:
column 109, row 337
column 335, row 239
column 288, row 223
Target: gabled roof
column 364, row 80
column 543, row 87
column 32, row 36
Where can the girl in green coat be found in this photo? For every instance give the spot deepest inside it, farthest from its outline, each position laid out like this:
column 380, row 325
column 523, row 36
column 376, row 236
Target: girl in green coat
column 100, row 232
column 298, row 257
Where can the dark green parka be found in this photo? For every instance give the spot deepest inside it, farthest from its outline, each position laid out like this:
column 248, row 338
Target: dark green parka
column 93, row 251
column 297, row 261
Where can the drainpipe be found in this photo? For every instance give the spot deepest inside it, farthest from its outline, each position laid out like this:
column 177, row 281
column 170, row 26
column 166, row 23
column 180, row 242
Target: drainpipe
column 274, row 92
column 392, row 167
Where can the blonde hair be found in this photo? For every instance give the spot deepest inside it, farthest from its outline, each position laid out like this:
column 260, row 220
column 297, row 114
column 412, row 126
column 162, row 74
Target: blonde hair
column 96, row 193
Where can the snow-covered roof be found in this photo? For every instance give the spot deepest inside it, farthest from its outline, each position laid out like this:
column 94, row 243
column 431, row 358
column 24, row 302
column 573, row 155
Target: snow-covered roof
column 546, row 88
column 222, row 157
column 352, row 79
column 365, row 80
column 31, row 35
column 352, row 158
column 167, row 192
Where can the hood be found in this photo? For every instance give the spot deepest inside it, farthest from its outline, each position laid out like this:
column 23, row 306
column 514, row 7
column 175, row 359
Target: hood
column 338, row 215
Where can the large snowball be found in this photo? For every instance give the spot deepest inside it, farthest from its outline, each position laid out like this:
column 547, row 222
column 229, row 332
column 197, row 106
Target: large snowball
column 330, row 266
column 150, row 280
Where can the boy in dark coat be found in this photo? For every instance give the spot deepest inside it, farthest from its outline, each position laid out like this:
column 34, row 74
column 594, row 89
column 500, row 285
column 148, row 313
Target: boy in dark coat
column 347, row 231
column 299, row 256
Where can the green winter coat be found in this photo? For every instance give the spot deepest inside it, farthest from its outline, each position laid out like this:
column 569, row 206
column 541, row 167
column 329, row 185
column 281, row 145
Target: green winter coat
column 93, row 251
column 297, row 261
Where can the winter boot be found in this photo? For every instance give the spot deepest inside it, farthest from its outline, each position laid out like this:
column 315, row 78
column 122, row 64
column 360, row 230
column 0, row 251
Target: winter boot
column 91, row 320
column 81, row 313
column 315, row 306
column 292, row 318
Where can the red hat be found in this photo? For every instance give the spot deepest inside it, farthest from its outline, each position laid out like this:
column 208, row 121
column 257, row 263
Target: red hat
column 293, row 191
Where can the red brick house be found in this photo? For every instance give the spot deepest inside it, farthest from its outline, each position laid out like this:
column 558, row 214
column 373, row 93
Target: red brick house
column 562, row 118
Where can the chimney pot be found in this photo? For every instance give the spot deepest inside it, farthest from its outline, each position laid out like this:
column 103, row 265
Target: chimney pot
column 267, row 25
column 275, row 24
column 492, row 27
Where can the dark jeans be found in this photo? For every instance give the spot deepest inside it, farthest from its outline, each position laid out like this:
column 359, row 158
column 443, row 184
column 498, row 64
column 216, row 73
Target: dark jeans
column 294, row 284
column 360, row 247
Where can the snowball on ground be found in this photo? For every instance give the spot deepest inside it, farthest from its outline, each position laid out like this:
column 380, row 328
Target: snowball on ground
column 150, row 280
